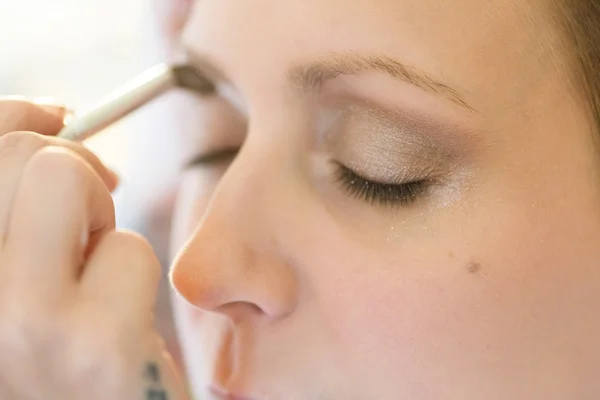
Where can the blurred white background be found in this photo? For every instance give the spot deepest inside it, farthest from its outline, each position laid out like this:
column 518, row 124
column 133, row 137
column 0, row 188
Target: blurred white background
column 75, row 51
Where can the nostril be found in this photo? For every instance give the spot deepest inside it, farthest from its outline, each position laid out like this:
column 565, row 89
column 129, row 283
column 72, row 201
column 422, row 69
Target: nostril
column 234, row 272
column 210, row 294
column 238, row 310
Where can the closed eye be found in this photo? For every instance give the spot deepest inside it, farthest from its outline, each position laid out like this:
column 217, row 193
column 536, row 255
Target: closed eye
column 384, row 194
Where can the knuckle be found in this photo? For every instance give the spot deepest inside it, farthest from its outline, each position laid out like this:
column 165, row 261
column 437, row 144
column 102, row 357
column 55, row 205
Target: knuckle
column 60, row 157
column 60, row 162
column 20, row 142
column 140, row 250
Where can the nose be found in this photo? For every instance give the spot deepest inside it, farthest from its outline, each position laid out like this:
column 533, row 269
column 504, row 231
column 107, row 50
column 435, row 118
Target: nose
column 236, row 262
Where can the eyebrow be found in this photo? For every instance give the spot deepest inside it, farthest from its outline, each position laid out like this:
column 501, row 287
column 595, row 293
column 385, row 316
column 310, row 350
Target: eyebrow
column 312, row 76
column 213, row 157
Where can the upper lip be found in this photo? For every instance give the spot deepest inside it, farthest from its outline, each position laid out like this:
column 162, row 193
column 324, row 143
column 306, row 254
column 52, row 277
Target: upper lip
column 222, row 394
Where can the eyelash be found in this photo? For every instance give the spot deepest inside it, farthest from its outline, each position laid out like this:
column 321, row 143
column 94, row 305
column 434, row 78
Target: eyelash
column 402, row 194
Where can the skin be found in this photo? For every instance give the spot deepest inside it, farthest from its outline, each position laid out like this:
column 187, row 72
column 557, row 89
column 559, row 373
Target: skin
column 64, row 275
column 288, row 286
column 487, row 287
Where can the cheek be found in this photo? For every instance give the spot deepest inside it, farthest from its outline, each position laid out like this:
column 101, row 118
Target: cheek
column 393, row 312
column 448, row 302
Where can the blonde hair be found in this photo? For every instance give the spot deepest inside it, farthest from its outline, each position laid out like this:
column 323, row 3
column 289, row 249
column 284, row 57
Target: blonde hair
column 580, row 20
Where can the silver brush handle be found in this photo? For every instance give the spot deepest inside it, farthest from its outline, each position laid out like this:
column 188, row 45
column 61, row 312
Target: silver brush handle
column 138, row 92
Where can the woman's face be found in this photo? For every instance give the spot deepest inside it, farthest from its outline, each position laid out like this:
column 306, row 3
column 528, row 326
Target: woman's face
column 392, row 199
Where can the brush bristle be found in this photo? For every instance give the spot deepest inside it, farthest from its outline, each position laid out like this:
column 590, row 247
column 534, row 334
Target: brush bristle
column 189, row 77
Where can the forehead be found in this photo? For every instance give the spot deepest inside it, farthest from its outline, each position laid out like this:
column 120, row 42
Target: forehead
column 476, row 45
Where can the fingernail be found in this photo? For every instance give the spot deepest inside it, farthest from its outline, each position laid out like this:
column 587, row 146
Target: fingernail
column 51, row 106
column 48, row 104
column 68, row 116
column 114, row 178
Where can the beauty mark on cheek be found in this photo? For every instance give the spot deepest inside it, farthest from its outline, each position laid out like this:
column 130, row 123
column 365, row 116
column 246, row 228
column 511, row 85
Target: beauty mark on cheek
column 474, row 267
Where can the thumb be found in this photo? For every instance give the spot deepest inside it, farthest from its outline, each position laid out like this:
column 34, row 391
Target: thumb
column 113, row 179
column 43, row 116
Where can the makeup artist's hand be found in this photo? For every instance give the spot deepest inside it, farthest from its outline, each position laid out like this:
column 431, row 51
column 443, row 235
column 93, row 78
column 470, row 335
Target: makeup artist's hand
column 76, row 296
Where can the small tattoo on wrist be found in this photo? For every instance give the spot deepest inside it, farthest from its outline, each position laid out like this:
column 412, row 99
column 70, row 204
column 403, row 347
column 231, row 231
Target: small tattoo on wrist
column 152, row 372
column 155, row 391
column 156, row 394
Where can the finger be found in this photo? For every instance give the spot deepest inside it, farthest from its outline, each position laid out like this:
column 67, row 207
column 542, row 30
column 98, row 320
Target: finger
column 16, row 149
column 22, row 115
column 107, row 175
column 26, row 143
column 123, row 274
column 59, row 201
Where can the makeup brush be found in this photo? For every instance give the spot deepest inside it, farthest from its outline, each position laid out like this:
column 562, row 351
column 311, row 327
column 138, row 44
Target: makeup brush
column 133, row 95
